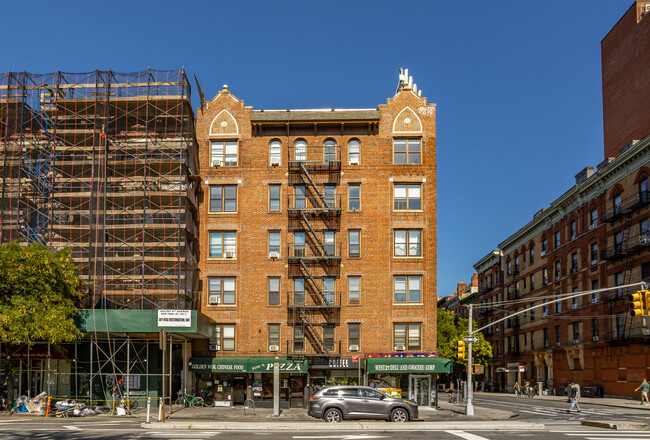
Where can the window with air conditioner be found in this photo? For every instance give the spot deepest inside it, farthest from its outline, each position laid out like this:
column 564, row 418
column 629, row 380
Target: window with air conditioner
column 354, row 336
column 407, row 335
column 353, row 348
column 593, row 218
column 354, row 152
column 275, row 152
column 224, row 336
column 221, row 290
column 273, row 337
column 223, row 244
column 354, row 197
column 274, row 244
column 224, row 153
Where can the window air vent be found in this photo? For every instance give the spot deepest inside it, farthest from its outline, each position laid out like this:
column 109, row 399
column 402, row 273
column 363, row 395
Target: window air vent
column 214, row 299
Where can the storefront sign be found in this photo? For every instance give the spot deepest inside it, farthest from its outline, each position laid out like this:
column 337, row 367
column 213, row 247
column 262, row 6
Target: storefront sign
column 408, row 365
column 265, row 365
column 174, row 318
column 218, row 365
column 337, row 364
column 402, row 355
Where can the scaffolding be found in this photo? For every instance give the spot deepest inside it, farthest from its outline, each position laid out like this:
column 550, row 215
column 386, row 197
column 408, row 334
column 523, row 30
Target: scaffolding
column 105, row 164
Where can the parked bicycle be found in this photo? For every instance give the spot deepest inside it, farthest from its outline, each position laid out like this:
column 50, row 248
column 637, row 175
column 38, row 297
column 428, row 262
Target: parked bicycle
column 188, row 400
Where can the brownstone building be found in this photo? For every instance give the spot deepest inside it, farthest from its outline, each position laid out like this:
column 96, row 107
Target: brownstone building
column 595, row 238
column 318, row 246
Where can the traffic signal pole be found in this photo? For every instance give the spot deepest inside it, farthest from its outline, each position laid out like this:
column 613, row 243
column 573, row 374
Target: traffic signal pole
column 469, row 409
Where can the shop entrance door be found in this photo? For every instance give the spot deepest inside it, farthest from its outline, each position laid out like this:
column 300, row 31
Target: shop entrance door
column 420, row 389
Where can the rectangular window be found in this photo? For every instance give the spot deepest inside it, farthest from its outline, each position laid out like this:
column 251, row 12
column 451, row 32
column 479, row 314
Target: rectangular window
column 274, row 291
column 407, row 197
column 408, row 289
column 223, row 198
column 556, row 242
column 225, row 337
column 354, row 243
column 576, row 332
column 298, row 339
column 545, row 308
column 617, row 204
column 544, row 277
column 643, row 185
column 558, row 270
column 531, row 255
column 532, row 340
column 328, row 289
column 558, row 336
column 618, row 242
column 299, row 194
column 532, row 314
column 532, row 282
column 329, row 194
column 354, row 197
column 544, row 247
column 299, row 244
column 221, row 290
column 573, row 229
column 329, row 240
column 408, row 243
column 545, row 338
column 274, row 334
column 224, row 153
column 594, row 328
column 406, row 151
column 274, row 198
column 354, row 288
column 644, row 231
column 574, row 262
column 620, row 326
column 299, row 291
column 558, row 305
column 354, row 335
column 593, row 218
column 408, row 336
column 594, row 286
column 328, row 337
column 618, row 281
column 223, row 244
column 274, row 244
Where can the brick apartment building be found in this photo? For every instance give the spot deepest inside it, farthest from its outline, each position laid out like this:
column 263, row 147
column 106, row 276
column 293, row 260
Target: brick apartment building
column 593, row 238
column 317, row 246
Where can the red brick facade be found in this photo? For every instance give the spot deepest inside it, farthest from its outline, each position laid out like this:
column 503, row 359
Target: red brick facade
column 227, row 119
column 625, row 53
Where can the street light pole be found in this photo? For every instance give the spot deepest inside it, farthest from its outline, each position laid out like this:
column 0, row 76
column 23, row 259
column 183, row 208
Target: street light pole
column 469, row 409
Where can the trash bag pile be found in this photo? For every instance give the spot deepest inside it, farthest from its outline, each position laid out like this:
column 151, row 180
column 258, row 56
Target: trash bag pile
column 76, row 409
column 36, row 405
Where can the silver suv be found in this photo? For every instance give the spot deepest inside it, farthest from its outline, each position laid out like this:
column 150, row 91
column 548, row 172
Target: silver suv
column 334, row 404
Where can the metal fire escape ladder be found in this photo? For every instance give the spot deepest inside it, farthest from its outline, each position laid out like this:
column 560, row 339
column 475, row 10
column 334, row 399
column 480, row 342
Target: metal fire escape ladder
column 316, row 238
column 321, row 196
column 315, row 337
column 320, row 295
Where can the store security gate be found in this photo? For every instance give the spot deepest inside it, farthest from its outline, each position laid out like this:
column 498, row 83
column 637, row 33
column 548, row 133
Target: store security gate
column 420, row 389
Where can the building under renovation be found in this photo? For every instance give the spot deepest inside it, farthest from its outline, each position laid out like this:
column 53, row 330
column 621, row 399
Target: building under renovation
column 105, row 164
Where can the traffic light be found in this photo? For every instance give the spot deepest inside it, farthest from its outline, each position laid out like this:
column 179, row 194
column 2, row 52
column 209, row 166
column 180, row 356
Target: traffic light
column 461, row 350
column 638, row 302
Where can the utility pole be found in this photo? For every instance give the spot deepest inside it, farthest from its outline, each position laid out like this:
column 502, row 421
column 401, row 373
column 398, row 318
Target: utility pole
column 469, row 409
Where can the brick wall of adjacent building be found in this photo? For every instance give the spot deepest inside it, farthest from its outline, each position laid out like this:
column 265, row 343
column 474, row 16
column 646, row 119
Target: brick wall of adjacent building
column 625, row 53
column 376, row 174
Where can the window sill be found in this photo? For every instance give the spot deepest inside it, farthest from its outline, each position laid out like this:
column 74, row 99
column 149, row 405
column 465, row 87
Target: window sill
column 401, row 304
column 222, row 212
column 402, row 257
column 221, row 259
column 222, row 306
column 408, row 210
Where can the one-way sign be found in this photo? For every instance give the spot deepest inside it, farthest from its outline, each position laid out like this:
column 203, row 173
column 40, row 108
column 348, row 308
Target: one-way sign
column 472, row 339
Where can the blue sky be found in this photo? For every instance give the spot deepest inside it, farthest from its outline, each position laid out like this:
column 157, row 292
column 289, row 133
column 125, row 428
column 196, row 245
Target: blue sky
column 517, row 83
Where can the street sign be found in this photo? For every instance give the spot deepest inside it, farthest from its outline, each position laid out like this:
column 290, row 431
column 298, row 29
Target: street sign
column 522, row 368
column 472, row 339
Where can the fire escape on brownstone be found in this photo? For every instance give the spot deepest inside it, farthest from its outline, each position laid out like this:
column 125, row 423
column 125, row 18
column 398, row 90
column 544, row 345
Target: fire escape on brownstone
column 314, row 256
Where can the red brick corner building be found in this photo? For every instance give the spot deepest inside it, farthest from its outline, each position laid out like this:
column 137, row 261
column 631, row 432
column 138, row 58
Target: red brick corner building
column 318, row 247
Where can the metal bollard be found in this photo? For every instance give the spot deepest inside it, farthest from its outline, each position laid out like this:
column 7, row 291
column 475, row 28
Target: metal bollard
column 47, row 411
column 148, row 408
column 160, row 410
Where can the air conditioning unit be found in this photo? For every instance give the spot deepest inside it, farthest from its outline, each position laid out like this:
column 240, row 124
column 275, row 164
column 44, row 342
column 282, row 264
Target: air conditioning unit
column 274, row 254
column 595, row 339
column 576, row 341
column 354, row 161
column 594, row 300
column 275, row 161
column 217, row 163
column 574, row 306
column 214, row 299
column 353, row 348
column 542, row 253
column 644, row 239
column 274, row 348
column 400, row 347
column 230, row 255
column 592, row 226
column 557, row 344
column 545, row 315
column 594, row 262
column 214, row 347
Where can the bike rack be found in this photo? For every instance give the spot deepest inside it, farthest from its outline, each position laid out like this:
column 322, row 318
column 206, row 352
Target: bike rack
column 250, row 404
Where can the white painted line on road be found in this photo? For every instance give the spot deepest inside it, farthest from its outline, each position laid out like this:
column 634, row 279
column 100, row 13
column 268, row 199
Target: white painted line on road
column 466, row 435
column 72, row 427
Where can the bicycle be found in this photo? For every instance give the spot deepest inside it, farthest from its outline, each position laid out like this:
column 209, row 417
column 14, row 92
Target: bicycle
column 529, row 391
column 189, row 400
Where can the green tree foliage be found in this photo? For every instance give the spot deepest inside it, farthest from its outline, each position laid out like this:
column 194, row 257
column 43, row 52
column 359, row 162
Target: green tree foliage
column 38, row 290
column 452, row 329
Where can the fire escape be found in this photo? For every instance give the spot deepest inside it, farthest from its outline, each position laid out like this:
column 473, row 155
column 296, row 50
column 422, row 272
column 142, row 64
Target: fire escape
column 314, row 255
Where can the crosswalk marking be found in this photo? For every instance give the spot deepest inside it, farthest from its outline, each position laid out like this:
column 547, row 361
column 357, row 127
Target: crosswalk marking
column 466, row 435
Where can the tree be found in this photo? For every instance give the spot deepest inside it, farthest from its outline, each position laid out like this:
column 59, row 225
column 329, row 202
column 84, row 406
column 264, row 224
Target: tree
column 451, row 329
column 38, row 291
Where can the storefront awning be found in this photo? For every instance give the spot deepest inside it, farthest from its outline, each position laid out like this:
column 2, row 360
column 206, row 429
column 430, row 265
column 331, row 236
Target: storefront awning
column 245, row 365
column 408, row 365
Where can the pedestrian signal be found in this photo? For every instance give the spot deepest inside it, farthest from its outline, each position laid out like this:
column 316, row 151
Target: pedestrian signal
column 478, row 369
column 638, row 302
column 461, row 350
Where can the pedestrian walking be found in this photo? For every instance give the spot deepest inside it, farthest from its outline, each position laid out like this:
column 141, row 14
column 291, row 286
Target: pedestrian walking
column 517, row 390
column 574, row 396
column 644, row 387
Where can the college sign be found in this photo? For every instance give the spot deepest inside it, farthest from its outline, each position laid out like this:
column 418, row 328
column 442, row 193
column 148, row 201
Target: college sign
column 245, row 365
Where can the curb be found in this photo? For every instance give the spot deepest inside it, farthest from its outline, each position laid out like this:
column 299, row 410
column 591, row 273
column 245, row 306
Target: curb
column 618, row 425
column 355, row 426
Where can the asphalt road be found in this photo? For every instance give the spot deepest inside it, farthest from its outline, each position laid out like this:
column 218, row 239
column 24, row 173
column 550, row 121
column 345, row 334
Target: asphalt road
column 552, row 413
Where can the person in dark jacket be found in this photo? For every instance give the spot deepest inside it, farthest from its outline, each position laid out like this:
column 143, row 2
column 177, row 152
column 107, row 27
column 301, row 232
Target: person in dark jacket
column 574, row 396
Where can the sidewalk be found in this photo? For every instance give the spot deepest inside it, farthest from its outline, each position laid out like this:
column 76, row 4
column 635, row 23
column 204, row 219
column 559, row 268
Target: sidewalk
column 603, row 401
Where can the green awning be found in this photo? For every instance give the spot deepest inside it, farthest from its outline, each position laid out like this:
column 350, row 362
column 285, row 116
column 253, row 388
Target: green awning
column 244, row 365
column 218, row 365
column 408, row 365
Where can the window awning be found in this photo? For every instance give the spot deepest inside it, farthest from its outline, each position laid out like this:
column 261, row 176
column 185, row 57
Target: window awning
column 408, row 365
column 245, row 365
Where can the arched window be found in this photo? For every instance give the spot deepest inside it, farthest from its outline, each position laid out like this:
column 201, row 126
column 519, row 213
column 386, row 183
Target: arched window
column 300, row 151
column 329, row 150
column 275, row 152
column 354, row 152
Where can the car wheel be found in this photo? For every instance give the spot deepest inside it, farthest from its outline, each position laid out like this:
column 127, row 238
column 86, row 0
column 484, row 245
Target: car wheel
column 399, row 415
column 333, row 416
